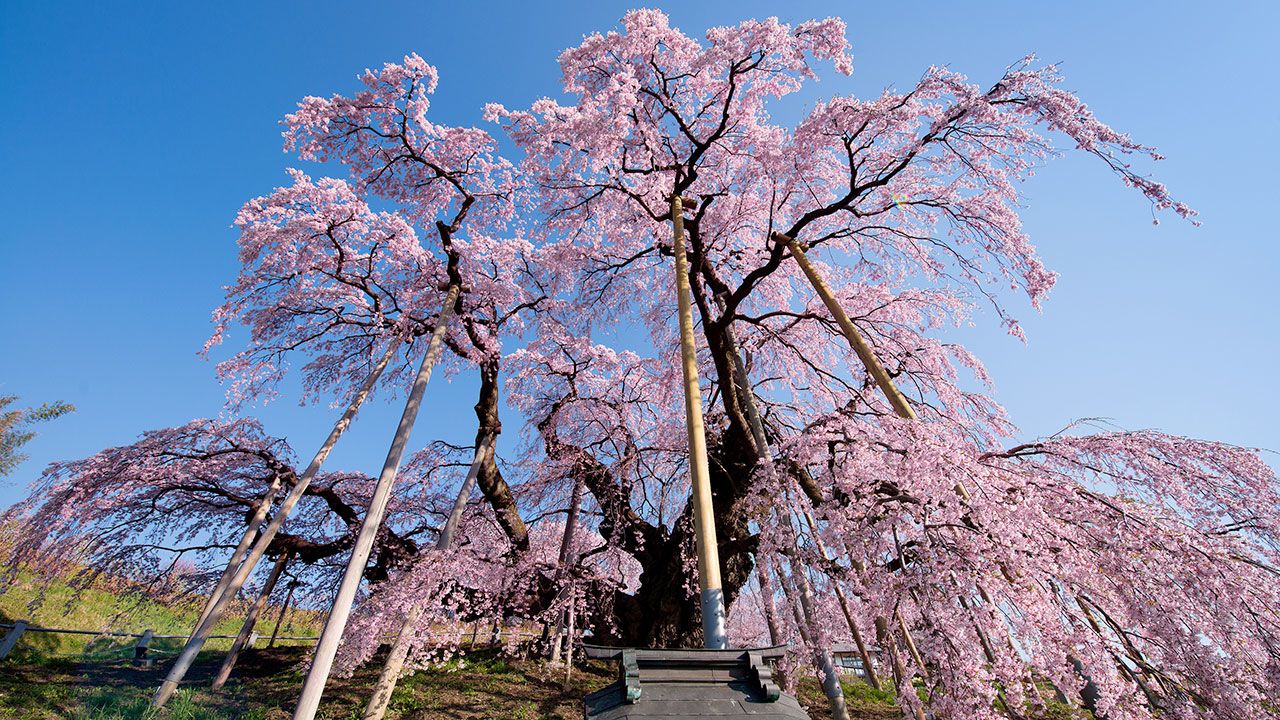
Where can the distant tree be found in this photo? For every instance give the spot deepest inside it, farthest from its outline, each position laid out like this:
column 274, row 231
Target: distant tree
column 15, row 428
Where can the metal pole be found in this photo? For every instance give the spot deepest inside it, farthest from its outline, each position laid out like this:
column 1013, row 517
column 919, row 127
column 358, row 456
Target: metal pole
column 211, row 618
column 331, row 636
column 704, row 522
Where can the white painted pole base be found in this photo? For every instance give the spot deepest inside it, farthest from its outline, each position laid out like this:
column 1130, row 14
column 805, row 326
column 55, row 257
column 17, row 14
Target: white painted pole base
column 713, row 630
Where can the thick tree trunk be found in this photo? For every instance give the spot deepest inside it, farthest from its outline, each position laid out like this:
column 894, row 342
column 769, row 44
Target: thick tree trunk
column 331, row 635
column 489, row 477
column 246, row 630
column 211, row 618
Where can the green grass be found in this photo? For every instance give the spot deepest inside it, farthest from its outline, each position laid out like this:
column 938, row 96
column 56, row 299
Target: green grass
column 59, row 605
column 481, row 686
column 78, row 677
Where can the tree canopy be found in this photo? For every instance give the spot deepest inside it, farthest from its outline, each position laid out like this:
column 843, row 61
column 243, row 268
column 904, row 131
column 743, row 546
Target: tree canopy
column 1142, row 565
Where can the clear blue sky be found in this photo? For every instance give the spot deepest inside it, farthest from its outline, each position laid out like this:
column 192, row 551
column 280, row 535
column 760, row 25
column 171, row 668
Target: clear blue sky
column 131, row 133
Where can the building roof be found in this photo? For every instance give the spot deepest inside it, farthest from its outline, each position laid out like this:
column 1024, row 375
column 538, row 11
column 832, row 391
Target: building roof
column 852, row 648
column 672, row 684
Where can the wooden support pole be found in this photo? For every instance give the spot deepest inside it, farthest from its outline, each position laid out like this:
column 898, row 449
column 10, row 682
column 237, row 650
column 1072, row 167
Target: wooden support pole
column 911, row 644
column 390, row 676
column 770, row 607
column 241, row 551
column 566, row 549
column 748, row 402
column 800, row 597
column 901, row 681
column 843, row 600
column 11, row 638
column 331, row 636
column 140, row 648
column 288, row 598
column 878, row 373
column 704, row 521
column 856, row 341
column 568, row 641
column 391, row 669
column 203, row 628
column 483, row 451
column 244, row 638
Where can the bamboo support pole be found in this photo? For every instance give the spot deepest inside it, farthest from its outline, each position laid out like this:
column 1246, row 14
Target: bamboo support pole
column 911, row 644
column 394, row 665
column 246, row 630
column 331, row 636
column 712, row 596
column 205, row 626
column 877, row 371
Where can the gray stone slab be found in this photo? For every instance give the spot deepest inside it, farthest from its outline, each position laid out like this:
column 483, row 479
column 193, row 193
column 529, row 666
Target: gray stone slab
column 686, row 700
column 683, row 684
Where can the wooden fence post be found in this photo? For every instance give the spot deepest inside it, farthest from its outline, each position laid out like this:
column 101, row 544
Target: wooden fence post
column 140, row 648
column 11, row 638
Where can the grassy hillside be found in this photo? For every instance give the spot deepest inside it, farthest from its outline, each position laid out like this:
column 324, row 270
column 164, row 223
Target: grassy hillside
column 113, row 606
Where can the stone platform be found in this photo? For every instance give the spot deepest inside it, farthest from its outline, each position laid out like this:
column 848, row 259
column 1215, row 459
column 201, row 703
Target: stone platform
column 681, row 684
